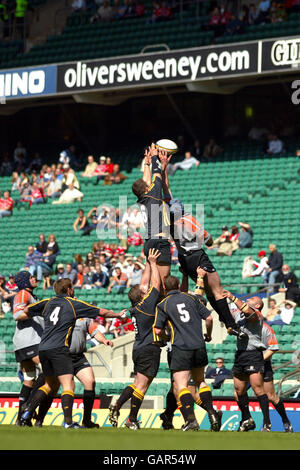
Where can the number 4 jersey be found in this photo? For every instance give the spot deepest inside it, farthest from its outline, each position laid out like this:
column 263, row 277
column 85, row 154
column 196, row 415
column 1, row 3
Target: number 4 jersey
column 183, row 313
column 60, row 314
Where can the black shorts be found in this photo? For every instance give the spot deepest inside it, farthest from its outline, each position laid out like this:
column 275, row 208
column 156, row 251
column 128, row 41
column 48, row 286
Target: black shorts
column 162, row 245
column 169, row 357
column 146, row 360
column 56, row 362
column 79, row 362
column 248, row 362
column 181, row 359
column 268, row 372
column 25, row 354
column 192, row 260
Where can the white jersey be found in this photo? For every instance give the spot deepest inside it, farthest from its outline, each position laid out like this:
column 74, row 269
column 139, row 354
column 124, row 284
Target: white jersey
column 27, row 332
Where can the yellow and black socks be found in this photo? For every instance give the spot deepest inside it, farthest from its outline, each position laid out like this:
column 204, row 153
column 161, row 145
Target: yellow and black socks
column 136, row 401
column 186, row 401
column 125, row 396
column 67, row 399
column 205, row 399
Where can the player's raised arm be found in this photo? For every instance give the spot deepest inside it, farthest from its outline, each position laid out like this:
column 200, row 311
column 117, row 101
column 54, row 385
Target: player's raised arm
column 155, row 276
column 147, row 177
column 248, row 310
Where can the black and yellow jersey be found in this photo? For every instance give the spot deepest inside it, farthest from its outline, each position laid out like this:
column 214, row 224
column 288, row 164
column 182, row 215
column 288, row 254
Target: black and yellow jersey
column 60, row 314
column 183, row 313
column 142, row 316
column 155, row 211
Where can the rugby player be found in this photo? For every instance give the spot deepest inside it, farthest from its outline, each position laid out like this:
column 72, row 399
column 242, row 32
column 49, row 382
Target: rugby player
column 154, row 210
column 82, row 370
column 27, row 338
column 249, row 360
column 146, row 350
column 183, row 313
column 189, row 237
column 171, row 403
column 60, row 314
column 271, row 343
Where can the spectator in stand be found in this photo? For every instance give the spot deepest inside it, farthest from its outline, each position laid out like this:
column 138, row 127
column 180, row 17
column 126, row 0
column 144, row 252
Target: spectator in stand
column 70, row 195
column 101, row 170
column 11, row 285
column 20, row 150
column 70, row 273
column 121, row 326
column 234, row 237
column 78, row 284
column 32, row 259
column 197, row 150
column 68, row 156
column 55, row 185
column 292, row 6
column 261, row 267
column 263, row 9
column 116, row 177
column 104, row 13
column 87, row 279
column 99, row 278
column 52, row 243
column 118, row 282
column 224, row 17
column 245, row 239
column 41, row 245
column 186, row 164
column 69, row 177
column 214, row 22
column 234, row 26
column 78, row 5
column 104, row 264
column 60, row 271
column 275, row 145
column 244, row 15
column 90, row 260
column 130, row 10
column 81, row 222
column 223, row 244
column 37, row 194
column 219, row 373
column 139, row 8
column 253, row 14
column 277, row 13
column 5, row 304
column 44, row 268
column 257, row 133
column 273, row 310
column 90, row 167
column 290, row 284
column 275, row 262
column 6, row 166
column 211, row 150
column 16, row 181
column 6, row 204
column 35, row 164
column 135, row 239
column 285, row 317
column 110, row 165
column 136, row 276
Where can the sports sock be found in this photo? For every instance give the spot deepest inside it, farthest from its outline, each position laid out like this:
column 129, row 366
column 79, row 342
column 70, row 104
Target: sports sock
column 23, row 397
column 205, row 397
column 44, row 406
column 279, row 407
column 88, row 402
column 187, row 404
column 125, row 395
column 171, row 405
column 243, row 402
column 264, row 405
column 37, row 399
column 224, row 312
column 136, row 401
column 67, row 398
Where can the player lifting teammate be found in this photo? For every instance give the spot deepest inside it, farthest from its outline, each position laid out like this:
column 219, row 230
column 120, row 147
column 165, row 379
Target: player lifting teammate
column 183, row 313
column 145, row 353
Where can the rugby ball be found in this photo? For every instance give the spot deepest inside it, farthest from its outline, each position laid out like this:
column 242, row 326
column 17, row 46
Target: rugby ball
column 166, row 144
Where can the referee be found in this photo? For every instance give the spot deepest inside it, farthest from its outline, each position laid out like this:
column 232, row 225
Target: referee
column 60, row 314
column 183, row 313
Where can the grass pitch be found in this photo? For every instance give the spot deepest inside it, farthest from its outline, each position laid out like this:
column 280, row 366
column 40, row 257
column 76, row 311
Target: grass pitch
column 57, row 438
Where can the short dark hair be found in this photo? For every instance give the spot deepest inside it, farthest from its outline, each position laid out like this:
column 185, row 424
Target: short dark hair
column 62, row 285
column 171, row 283
column 139, row 187
column 135, row 294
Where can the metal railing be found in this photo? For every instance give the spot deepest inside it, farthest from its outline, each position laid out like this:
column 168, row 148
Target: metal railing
column 103, row 363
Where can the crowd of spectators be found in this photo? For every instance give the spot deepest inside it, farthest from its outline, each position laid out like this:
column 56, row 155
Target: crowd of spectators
column 238, row 237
